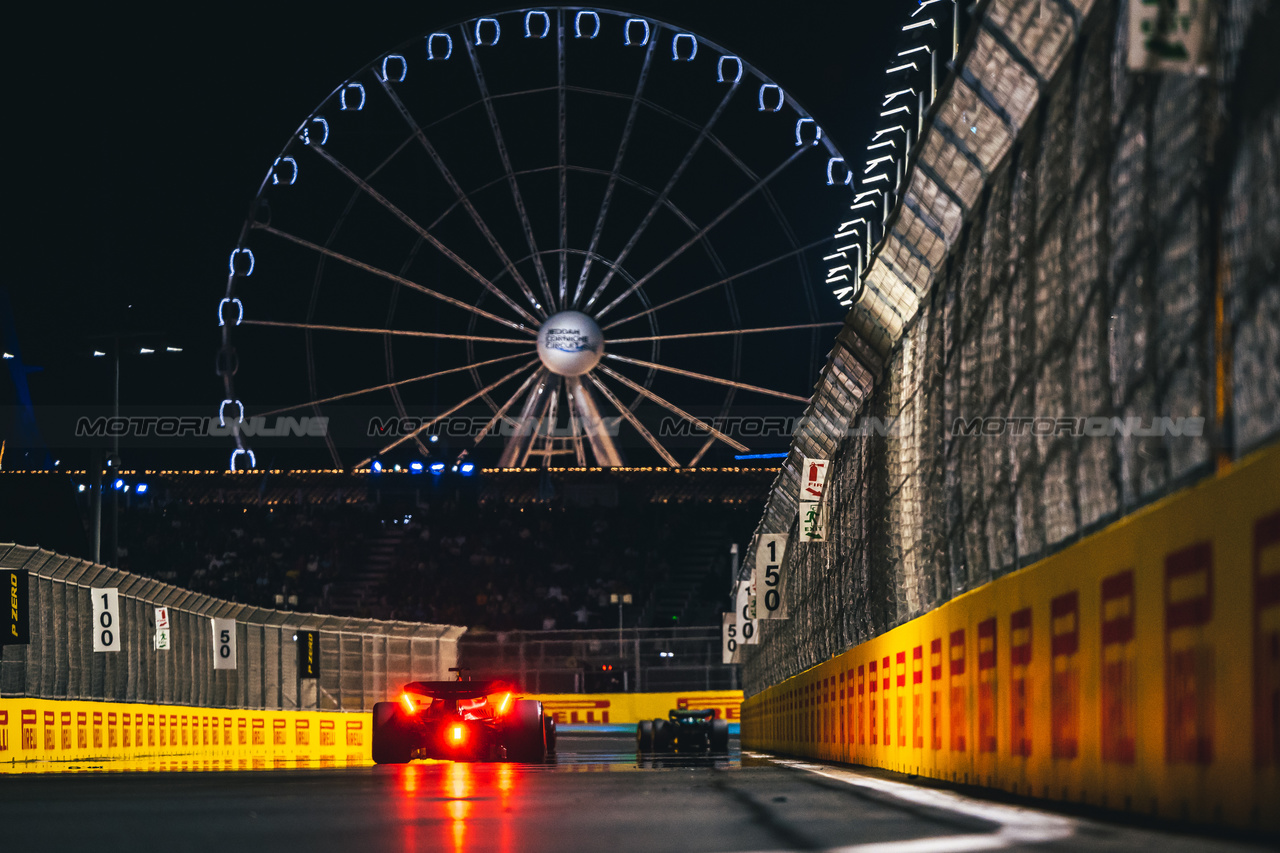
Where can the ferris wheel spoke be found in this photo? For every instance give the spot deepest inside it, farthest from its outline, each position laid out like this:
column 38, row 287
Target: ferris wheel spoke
column 626, row 412
column 502, row 410
column 673, row 408
column 724, row 333
column 429, row 424
column 617, row 166
column 516, row 451
column 706, row 229
column 401, row 280
column 564, row 172
column 424, row 233
column 399, row 383
column 407, row 333
column 662, row 196
column 487, row 99
column 463, row 199
column 575, row 437
column 553, row 412
column 593, row 427
column 715, row 284
column 716, row 380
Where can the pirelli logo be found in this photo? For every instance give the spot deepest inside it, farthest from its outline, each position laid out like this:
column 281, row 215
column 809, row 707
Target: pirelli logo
column 327, row 735
column 29, row 721
column 355, row 732
column 4, row 731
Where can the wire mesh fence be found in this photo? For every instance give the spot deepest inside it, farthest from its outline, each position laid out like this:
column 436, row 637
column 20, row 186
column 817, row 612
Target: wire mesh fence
column 1102, row 327
column 601, row 661
column 360, row 661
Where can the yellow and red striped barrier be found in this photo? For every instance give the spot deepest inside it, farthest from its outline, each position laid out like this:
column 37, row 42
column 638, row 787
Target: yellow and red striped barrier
column 1138, row 669
column 58, row 730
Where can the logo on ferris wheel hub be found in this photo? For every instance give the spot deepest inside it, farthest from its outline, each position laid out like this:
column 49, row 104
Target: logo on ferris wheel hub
column 568, row 340
column 570, row 343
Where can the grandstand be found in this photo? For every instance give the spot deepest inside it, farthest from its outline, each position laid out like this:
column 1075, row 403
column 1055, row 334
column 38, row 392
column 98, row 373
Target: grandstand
column 497, row 550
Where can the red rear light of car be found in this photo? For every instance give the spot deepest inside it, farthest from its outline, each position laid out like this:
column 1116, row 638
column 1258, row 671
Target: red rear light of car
column 506, row 700
column 457, row 734
column 408, row 703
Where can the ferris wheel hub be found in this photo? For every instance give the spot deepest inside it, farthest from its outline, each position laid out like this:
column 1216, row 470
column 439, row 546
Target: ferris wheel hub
column 570, row 343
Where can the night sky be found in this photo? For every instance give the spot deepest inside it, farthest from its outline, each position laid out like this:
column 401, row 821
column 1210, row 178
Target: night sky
column 138, row 137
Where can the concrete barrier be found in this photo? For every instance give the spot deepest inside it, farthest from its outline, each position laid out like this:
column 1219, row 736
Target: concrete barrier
column 1137, row 670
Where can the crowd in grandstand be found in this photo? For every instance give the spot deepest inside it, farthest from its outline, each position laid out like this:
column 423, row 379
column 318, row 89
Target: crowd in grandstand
column 249, row 553
column 531, row 567
column 492, row 558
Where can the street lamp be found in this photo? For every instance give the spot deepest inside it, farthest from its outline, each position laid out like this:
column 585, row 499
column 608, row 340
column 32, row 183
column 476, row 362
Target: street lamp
column 620, row 600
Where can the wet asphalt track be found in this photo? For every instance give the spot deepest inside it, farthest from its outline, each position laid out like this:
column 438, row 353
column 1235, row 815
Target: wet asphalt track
column 595, row 797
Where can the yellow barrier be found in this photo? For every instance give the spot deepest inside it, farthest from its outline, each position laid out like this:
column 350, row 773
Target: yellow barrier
column 630, row 708
column 170, row 737
column 1138, row 669
column 56, row 730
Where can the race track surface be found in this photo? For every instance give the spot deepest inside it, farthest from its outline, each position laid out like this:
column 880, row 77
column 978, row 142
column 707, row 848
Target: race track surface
column 594, row 797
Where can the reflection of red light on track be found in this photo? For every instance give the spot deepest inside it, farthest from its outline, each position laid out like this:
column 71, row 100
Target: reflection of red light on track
column 409, row 778
column 459, row 786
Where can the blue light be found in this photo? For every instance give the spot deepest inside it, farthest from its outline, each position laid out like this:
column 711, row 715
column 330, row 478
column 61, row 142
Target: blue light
column 675, row 46
column 577, row 24
column 467, row 468
column 546, row 24
column 437, row 467
column 848, row 175
column 377, row 467
column 761, row 456
column 626, row 31
column 324, row 125
column 415, row 467
column 497, row 32
column 434, row 438
column 232, row 262
column 293, row 171
column 431, row 46
column 222, row 421
column 817, row 131
column 720, row 78
column 404, row 68
column 142, row 488
column 342, row 97
column 233, row 301
column 781, row 98
column 117, row 485
column 253, row 463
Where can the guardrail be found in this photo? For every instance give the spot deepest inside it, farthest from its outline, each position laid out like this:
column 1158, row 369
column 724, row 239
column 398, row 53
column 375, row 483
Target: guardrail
column 217, row 654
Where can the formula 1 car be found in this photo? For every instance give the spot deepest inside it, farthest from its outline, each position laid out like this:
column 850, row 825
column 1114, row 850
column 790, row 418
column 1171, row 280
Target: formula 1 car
column 461, row 721
column 684, row 732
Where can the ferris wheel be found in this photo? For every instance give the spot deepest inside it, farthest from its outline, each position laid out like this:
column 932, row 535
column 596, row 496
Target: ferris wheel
column 563, row 228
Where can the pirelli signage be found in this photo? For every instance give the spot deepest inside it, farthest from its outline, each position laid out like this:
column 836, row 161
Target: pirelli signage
column 16, row 628
column 308, row 654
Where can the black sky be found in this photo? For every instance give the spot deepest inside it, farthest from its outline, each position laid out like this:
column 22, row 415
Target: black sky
column 137, row 136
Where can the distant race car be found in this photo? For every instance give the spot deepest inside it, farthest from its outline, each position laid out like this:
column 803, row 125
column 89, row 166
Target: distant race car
column 684, row 732
column 461, row 721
